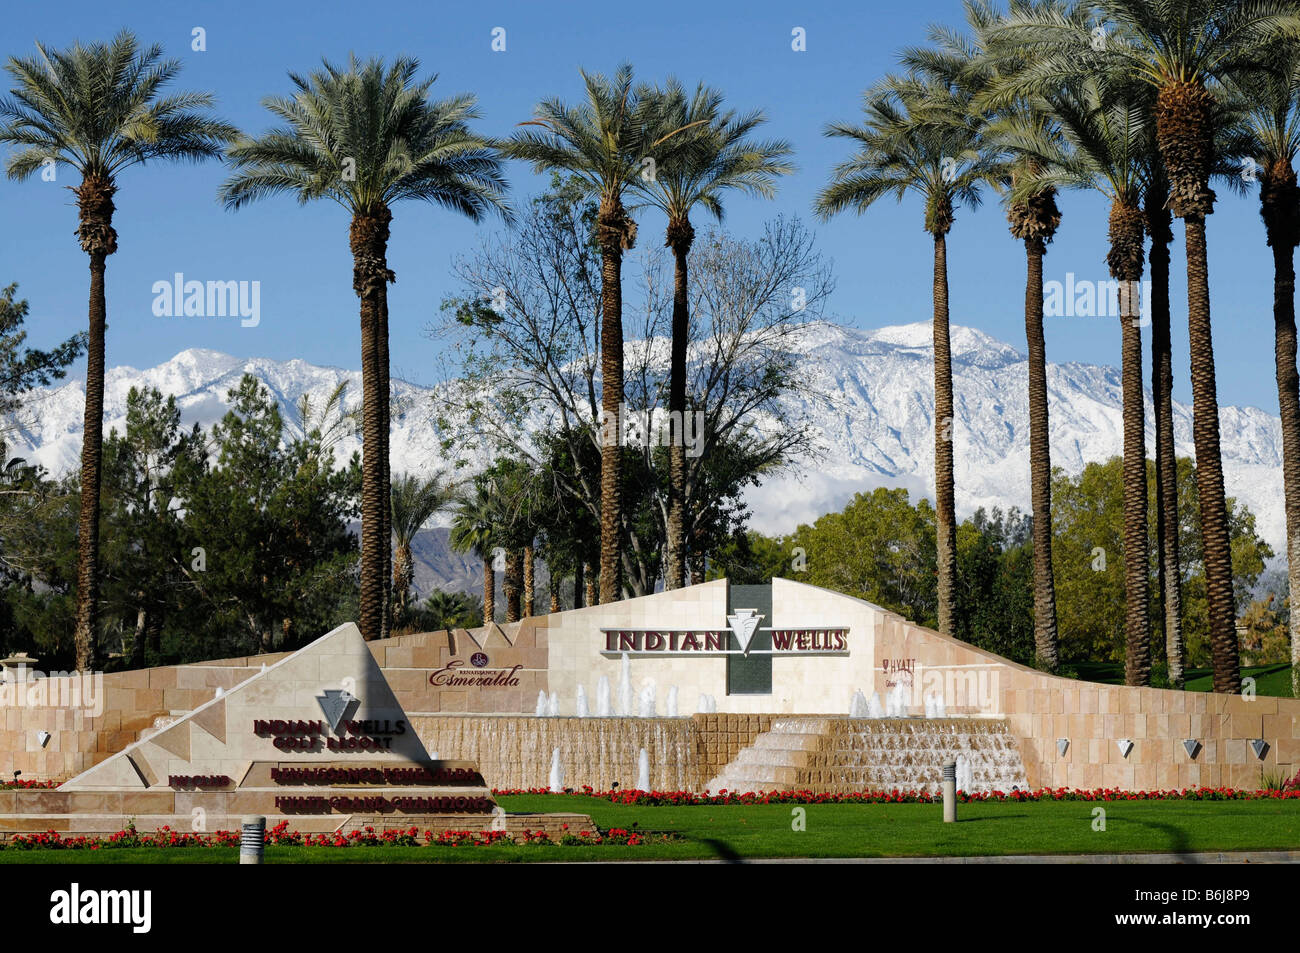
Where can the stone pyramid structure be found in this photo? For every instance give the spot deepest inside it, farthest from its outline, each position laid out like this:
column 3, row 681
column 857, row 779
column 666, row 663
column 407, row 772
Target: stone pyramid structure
column 317, row 739
column 287, row 713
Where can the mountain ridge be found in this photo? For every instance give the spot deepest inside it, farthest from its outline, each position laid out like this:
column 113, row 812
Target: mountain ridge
column 872, row 412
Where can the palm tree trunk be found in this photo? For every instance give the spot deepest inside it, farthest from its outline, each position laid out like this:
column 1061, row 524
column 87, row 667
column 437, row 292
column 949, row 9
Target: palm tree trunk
column 577, row 584
column 403, row 576
column 1209, row 465
column 944, row 490
column 141, row 622
column 373, row 581
column 530, row 592
column 386, row 485
column 489, row 590
column 1288, row 399
column 593, row 593
column 1162, row 389
column 612, row 219
column 1137, row 624
column 680, row 236
column 91, row 454
column 510, row 583
column 99, row 240
column 1040, row 462
column 368, row 241
column 555, row 597
column 1125, row 258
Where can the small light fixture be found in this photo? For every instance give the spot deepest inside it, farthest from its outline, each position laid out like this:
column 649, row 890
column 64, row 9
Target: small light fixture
column 1193, row 747
column 1062, row 745
column 1260, row 747
column 43, row 737
column 1125, row 745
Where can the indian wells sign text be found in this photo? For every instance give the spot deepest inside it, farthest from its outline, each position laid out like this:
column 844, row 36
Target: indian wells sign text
column 823, row 640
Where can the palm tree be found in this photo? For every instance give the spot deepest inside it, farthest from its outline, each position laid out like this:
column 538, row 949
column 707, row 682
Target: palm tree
column 515, row 490
column 1168, row 563
column 414, row 502
column 968, row 62
column 920, row 138
column 717, row 154
column 368, row 137
column 1182, row 49
column 1106, row 127
column 1265, row 143
column 474, row 529
column 100, row 109
column 603, row 143
column 451, row 610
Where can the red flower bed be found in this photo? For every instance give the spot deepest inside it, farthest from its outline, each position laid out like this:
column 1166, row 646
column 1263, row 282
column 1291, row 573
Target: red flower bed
column 11, row 784
column 281, row 836
column 1289, row 791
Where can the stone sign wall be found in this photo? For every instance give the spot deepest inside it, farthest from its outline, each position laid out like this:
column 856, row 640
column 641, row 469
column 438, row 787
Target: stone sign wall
column 1070, row 733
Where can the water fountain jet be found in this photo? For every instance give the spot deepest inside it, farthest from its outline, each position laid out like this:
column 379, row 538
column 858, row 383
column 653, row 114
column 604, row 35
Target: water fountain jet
column 874, row 708
column 557, row 773
column 858, row 706
column 643, row 771
column 647, row 700
column 625, row 688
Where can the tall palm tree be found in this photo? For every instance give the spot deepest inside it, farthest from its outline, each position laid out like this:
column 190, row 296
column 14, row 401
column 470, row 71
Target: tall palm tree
column 1182, row 49
column 530, row 583
column 512, row 583
column 920, row 137
column 1034, row 220
column 414, row 502
column 1106, row 127
column 969, row 62
column 516, row 492
column 1169, row 562
column 474, row 529
column 99, row 110
column 717, row 154
column 603, row 143
column 1265, row 143
column 367, row 137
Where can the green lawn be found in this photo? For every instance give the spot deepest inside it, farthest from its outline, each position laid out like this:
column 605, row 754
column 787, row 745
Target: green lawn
column 833, row 830
column 1269, row 679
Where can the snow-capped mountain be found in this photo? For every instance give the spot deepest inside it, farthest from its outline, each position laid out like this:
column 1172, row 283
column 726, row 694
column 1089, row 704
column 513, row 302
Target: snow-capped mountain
column 872, row 414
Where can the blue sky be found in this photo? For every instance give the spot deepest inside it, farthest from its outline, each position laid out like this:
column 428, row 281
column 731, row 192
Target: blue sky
column 168, row 218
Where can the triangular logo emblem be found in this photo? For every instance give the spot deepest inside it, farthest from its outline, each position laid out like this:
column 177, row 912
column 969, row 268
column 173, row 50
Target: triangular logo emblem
column 743, row 625
column 1260, row 747
column 334, row 703
column 1193, row 747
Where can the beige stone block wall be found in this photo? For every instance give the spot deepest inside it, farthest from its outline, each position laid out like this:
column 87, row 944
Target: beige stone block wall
column 1093, row 718
column 131, row 702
